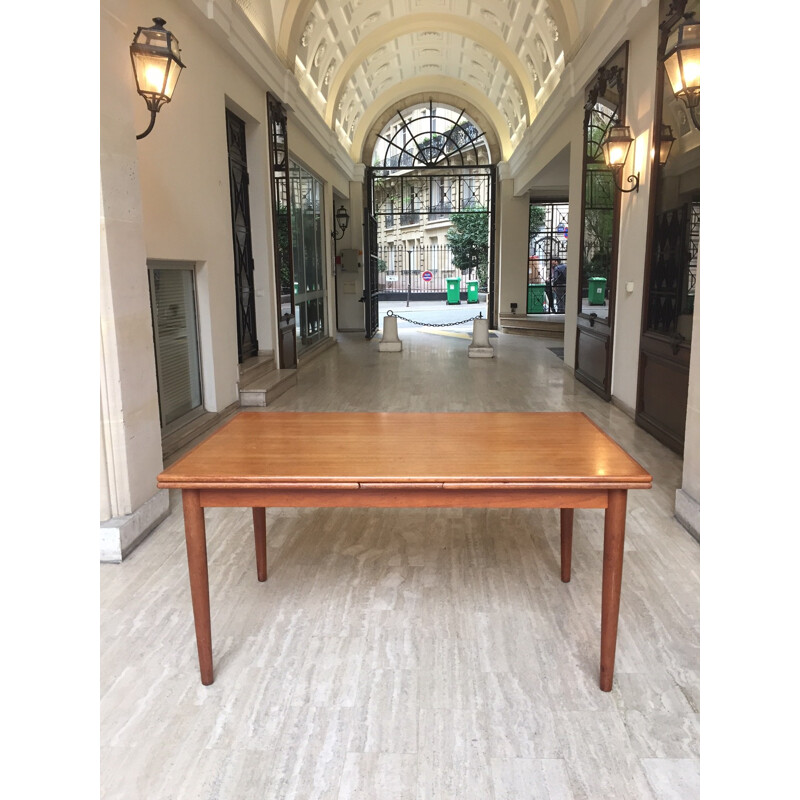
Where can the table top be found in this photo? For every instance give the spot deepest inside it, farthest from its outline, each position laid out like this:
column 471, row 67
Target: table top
column 269, row 449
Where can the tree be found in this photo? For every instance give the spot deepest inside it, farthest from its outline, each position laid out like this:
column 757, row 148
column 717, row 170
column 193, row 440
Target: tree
column 598, row 222
column 468, row 238
column 536, row 219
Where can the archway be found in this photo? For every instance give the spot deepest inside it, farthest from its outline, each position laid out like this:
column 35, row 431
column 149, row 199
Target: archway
column 430, row 211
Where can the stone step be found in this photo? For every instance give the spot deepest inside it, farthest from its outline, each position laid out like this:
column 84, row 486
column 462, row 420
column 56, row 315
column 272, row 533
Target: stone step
column 315, row 350
column 267, row 388
column 256, row 367
column 533, row 324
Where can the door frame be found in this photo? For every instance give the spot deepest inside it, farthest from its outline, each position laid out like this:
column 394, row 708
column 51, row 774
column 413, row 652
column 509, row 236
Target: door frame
column 593, row 331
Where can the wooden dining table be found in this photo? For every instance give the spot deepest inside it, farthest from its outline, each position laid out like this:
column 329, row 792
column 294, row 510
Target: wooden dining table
column 263, row 460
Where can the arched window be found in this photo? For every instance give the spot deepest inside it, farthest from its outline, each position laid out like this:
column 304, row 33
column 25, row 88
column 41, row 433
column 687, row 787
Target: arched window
column 430, row 136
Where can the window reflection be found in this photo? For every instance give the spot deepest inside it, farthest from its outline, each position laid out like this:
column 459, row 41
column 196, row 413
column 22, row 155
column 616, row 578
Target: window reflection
column 598, row 210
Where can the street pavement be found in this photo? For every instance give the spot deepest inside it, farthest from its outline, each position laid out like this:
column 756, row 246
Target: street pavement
column 426, row 313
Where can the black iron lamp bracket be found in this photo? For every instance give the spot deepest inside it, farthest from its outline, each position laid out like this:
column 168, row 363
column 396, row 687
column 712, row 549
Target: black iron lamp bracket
column 632, row 179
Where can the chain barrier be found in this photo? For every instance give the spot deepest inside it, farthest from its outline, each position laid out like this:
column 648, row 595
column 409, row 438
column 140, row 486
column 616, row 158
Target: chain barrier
column 391, row 313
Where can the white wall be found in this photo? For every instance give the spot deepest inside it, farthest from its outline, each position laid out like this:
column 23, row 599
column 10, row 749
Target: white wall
column 167, row 197
column 186, row 191
column 512, row 246
column 130, row 435
column 130, row 430
column 639, row 115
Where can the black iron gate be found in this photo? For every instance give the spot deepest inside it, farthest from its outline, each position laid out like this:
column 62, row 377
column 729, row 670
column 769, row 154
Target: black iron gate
column 282, row 232
column 425, row 273
column 371, row 276
column 413, row 208
column 547, row 258
column 431, row 183
column 242, row 248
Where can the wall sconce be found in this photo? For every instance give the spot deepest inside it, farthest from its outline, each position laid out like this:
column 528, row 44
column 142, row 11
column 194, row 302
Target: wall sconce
column 157, row 65
column 682, row 63
column 615, row 147
column 665, row 142
column 342, row 219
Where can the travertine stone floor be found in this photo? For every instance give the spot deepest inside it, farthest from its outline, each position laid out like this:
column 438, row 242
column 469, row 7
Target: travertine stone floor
column 411, row 654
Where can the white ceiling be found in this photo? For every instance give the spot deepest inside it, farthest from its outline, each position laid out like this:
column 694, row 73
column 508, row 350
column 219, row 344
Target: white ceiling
column 354, row 58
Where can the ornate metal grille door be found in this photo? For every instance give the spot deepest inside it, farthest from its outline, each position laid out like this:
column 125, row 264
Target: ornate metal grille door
column 371, row 288
column 409, row 204
column 282, row 232
column 247, row 342
column 547, row 258
column 674, row 265
column 431, row 167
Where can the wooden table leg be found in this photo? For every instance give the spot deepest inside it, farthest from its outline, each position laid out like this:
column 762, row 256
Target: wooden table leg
column 195, row 528
column 613, row 547
column 260, row 529
column 567, row 516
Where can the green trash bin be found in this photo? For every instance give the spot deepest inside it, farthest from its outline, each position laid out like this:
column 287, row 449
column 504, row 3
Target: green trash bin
column 597, row 291
column 536, row 298
column 472, row 291
column 453, row 291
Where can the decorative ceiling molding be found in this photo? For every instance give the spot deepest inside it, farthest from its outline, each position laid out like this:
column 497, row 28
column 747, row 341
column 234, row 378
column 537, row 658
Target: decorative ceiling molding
column 418, row 24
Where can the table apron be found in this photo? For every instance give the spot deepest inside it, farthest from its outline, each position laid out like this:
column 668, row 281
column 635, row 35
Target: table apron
column 402, row 497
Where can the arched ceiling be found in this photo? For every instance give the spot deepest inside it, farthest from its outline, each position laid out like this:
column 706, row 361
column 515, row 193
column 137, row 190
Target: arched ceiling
column 351, row 56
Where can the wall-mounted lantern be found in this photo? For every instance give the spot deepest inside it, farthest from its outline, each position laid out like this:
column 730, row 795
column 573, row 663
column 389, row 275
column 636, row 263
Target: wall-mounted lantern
column 615, row 147
column 341, row 220
column 665, row 142
column 682, row 63
column 156, row 65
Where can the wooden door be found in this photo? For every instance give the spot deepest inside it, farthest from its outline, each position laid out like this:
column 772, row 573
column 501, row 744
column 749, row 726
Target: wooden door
column 666, row 340
column 671, row 266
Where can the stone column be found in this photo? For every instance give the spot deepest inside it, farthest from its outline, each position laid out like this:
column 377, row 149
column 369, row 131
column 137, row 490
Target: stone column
column 512, row 250
column 130, row 443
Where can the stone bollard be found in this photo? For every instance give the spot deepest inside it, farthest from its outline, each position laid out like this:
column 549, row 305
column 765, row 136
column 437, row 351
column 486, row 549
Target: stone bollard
column 390, row 343
column 480, row 347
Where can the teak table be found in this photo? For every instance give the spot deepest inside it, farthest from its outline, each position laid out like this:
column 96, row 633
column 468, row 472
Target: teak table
column 407, row 460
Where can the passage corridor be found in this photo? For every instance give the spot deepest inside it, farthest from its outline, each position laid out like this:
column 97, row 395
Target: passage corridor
column 410, row 654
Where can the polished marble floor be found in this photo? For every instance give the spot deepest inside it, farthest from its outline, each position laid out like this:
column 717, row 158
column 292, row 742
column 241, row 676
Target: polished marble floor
column 411, row 654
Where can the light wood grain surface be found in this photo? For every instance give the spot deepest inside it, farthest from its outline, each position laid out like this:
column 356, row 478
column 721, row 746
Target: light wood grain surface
column 557, row 448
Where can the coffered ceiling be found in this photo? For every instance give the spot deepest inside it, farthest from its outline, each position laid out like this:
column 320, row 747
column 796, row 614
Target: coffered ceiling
column 353, row 57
